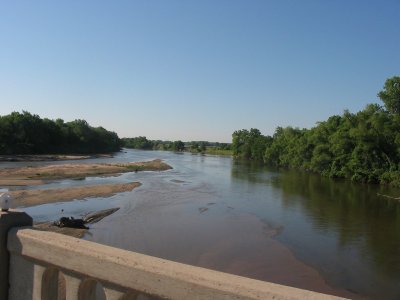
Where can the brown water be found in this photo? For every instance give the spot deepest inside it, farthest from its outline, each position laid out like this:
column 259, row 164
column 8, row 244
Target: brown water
column 287, row 227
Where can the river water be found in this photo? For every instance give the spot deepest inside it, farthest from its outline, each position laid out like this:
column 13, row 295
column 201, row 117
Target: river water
column 287, row 227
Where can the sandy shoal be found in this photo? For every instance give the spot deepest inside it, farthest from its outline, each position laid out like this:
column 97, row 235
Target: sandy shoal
column 38, row 175
column 50, row 157
column 36, row 197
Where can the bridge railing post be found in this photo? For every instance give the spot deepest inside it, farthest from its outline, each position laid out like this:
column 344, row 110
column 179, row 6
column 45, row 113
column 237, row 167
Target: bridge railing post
column 8, row 219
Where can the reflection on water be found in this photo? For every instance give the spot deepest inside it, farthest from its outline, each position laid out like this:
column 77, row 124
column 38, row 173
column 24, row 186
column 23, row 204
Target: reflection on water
column 214, row 212
column 346, row 231
column 366, row 229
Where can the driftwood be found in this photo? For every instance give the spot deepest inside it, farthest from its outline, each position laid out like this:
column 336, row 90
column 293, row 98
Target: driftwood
column 71, row 222
column 99, row 215
column 91, row 218
column 389, row 197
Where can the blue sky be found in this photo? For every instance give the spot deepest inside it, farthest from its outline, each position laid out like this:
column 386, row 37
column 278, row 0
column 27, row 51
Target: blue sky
column 195, row 70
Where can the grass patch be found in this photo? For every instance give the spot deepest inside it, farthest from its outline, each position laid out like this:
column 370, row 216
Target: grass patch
column 219, row 152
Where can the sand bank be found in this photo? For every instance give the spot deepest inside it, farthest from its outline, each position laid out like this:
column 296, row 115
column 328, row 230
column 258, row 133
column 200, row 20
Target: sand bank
column 50, row 157
column 28, row 176
column 38, row 175
column 24, row 198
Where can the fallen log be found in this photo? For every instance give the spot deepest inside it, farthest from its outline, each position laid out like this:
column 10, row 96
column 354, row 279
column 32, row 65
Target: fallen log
column 91, row 218
column 389, row 197
column 99, row 215
column 71, row 223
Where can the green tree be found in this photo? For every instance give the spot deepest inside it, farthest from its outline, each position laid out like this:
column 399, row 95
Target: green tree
column 24, row 133
column 390, row 95
column 249, row 144
column 363, row 147
column 178, row 146
column 194, row 147
column 202, row 147
column 140, row 142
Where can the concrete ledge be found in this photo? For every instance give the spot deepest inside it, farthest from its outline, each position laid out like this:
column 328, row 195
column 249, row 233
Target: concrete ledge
column 150, row 275
column 8, row 219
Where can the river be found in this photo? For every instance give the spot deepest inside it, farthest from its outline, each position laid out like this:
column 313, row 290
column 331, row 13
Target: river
column 287, row 227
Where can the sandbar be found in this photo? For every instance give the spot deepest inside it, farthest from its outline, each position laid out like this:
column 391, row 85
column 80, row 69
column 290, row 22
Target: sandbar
column 39, row 174
column 50, row 157
column 25, row 198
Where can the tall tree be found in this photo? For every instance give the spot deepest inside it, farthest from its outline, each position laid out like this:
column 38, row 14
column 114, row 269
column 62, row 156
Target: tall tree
column 390, row 95
column 178, row 146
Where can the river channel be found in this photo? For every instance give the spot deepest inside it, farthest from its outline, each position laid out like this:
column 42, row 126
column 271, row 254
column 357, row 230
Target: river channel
column 287, row 227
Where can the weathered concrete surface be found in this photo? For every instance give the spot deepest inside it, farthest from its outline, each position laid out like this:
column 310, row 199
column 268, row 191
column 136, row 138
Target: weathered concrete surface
column 129, row 271
column 9, row 219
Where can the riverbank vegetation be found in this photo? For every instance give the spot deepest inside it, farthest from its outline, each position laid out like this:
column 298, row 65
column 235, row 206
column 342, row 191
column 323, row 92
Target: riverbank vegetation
column 24, row 133
column 362, row 146
column 205, row 147
column 143, row 143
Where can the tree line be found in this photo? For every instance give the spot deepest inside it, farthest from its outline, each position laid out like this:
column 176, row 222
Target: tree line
column 142, row 143
column 362, row 146
column 25, row 133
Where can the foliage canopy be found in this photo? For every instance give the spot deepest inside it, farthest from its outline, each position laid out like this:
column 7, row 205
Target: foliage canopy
column 24, row 133
column 363, row 146
column 390, row 95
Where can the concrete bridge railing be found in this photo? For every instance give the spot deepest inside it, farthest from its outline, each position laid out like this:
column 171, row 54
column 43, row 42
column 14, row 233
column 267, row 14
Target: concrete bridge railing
column 46, row 265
